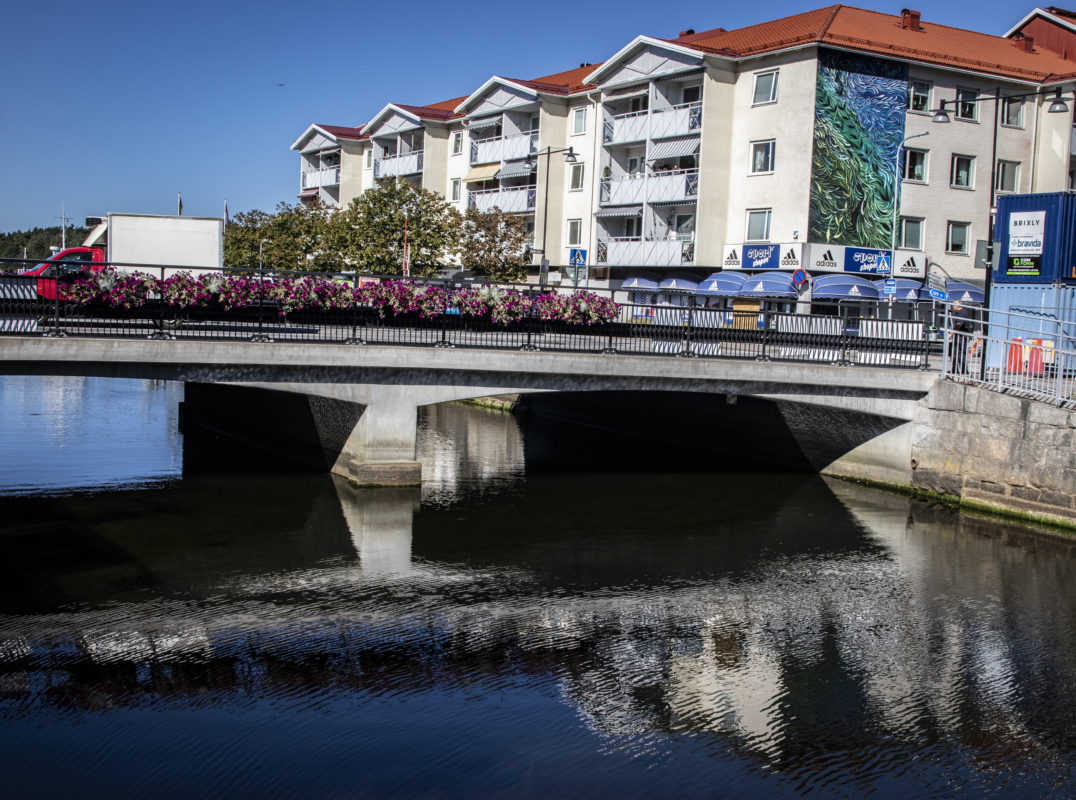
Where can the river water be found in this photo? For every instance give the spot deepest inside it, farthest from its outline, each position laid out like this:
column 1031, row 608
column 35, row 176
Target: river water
column 173, row 626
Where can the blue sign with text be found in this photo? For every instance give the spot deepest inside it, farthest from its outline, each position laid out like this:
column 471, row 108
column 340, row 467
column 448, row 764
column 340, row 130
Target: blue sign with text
column 761, row 256
column 866, row 260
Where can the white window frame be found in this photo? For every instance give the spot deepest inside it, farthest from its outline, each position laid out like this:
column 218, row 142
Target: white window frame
column 685, row 89
column 768, row 216
column 1006, row 102
column 772, row 98
column 949, row 227
column 770, row 146
column 905, row 174
column 457, row 142
column 577, row 239
column 912, row 84
column 457, row 189
column 575, row 176
column 369, row 158
column 1004, row 166
column 971, row 172
column 579, row 121
column 902, row 240
column 974, row 105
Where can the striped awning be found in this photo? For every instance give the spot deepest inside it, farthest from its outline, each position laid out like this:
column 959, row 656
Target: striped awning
column 674, row 148
column 516, row 169
column 671, row 203
column 619, row 211
column 488, row 122
column 483, row 172
column 627, row 91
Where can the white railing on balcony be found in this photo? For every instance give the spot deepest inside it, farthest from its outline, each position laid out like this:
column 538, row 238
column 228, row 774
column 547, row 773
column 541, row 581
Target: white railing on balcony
column 676, row 120
column 398, row 165
column 675, row 251
column 504, row 148
column 655, row 187
column 514, row 200
column 630, row 127
column 315, row 178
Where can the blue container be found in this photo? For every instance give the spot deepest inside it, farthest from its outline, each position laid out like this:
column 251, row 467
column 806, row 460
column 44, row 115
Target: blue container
column 1038, row 238
column 1031, row 311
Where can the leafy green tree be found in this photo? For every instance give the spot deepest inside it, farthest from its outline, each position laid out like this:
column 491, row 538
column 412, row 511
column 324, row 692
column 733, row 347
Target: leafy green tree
column 298, row 238
column 37, row 241
column 375, row 241
column 494, row 244
column 242, row 235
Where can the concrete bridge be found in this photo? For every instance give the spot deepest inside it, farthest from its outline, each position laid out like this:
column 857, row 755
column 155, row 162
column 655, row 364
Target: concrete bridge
column 358, row 405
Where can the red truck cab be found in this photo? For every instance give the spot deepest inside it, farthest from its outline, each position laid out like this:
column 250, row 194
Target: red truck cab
column 65, row 266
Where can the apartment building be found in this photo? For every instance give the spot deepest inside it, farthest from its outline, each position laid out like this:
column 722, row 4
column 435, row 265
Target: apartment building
column 817, row 140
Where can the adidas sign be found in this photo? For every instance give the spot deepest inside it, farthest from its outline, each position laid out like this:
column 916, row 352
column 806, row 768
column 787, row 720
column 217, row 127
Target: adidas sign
column 909, row 267
column 732, row 259
column 791, row 259
column 826, row 261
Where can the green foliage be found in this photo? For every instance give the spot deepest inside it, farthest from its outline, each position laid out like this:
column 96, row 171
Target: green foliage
column 38, row 240
column 494, row 245
column 294, row 238
column 373, row 230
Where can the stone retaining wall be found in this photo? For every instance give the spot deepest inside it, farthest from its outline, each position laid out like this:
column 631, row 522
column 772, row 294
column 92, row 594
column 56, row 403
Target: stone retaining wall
column 996, row 449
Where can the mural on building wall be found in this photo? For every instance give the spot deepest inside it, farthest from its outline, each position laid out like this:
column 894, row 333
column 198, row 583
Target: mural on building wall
column 858, row 127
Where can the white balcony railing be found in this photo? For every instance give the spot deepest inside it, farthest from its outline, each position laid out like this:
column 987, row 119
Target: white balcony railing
column 391, row 166
column 654, row 187
column 646, row 252
column 515, row 200
column 504, row 148
column 316, row 178
column 637, row 126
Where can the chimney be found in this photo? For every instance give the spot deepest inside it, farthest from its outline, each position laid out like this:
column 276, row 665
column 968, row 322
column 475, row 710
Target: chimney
column 1024, row 42
column 909, row 20
column 687, row 32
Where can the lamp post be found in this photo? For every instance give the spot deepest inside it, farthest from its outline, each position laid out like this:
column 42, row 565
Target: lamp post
column 896, row 199
column 569, row 158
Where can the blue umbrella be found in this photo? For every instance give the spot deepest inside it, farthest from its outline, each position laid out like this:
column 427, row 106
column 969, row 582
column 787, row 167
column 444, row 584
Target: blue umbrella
column 964, row 292
column 843, row 287
column 679, row 283
column 908, row 290
column 723, row 284
column 769, row 284
column 636, row 282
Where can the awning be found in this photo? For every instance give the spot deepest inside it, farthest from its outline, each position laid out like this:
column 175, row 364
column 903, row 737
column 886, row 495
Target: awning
column 488, row 122
column 674, row 148
column 723, row 284
column 671, row 203
column 628, row 91
column 619, row 211
column 679, row 283
column 843, row 287
column 769, row 284
column 907, row 290
column 636, row 282
column 964, row 292
column 483, row 172
column 516, row 169
column 308, row 193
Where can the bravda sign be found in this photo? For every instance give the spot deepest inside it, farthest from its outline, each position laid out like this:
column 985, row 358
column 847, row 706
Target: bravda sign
column 865, row 261
column 762, row 256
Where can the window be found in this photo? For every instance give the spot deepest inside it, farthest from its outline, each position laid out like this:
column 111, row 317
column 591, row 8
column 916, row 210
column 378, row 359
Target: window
column 915, row 165
column 575, row 177
column 1012, row 112
column 966, row 107
column 962, row 174
column 765, row 88
column 919, row 96
column 457, row 143
column 911, row 233
column 636, row 166
column 1008, row 176
column 762, row 154
column 638, row 104
column 579, row 121
column 455, row 189
column 575, row 232
column 692, row 94
column 369, row 158
column 684, row 227
column 758, row 225
column 633, row 228
column 956, row 238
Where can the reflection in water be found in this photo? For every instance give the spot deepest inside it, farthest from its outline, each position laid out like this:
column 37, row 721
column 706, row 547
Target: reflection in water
column 594, row 635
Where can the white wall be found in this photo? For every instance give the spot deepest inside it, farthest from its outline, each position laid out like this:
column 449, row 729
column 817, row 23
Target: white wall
column 166, row 240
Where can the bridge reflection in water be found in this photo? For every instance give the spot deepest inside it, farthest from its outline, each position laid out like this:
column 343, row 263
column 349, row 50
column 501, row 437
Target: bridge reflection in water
column 615, row 632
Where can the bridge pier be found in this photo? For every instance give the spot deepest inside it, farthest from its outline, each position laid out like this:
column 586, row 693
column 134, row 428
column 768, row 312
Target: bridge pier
column 381, row 448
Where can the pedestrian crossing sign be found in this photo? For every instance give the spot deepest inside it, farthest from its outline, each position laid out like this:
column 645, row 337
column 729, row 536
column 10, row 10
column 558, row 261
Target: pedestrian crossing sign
column 577, row 257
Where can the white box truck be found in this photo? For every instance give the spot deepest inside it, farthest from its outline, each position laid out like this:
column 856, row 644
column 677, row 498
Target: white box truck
column 139, row 242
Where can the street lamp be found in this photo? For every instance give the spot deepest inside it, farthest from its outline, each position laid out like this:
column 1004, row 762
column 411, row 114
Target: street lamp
column 569, row 158
column 896, row 198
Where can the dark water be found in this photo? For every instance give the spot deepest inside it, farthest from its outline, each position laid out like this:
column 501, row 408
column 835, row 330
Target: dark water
column 504, row 634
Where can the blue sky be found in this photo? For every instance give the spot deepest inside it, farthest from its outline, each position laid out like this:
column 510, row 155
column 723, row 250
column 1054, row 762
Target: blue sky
column 117, row 106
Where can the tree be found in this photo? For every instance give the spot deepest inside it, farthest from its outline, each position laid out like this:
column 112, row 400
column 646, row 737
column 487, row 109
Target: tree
column 295, row 237
column 36, row 242
column 374, row 236
column 494, row 244
column 242, row 235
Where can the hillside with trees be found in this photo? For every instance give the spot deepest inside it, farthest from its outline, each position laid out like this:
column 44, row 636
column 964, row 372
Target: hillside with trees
column 36, row 242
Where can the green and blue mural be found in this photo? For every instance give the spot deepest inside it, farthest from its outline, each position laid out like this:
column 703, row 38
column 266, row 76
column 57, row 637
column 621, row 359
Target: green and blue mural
column 858, row 128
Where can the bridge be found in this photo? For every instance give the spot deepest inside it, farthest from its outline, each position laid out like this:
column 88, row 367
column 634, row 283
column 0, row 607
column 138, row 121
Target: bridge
column 362, row 401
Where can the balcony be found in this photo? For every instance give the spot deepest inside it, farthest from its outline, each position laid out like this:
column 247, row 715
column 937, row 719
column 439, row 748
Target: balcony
column 391, row 166
column 504, row 148
column 624, row 128
column 654, row 187
column 316, row 178
column 676, row 120
column 515, row 200
column 677, row 251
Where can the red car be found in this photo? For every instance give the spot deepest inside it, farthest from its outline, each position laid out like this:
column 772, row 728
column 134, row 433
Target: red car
column 65, row 266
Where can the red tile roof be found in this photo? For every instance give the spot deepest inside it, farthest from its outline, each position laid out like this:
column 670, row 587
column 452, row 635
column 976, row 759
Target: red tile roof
column 883, row 35
column 342, row 132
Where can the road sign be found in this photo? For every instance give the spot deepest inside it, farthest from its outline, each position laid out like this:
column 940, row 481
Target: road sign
column 938, row 294
column 882, row 264
column 890, row 285
column 799, row 276
column 577, row 258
